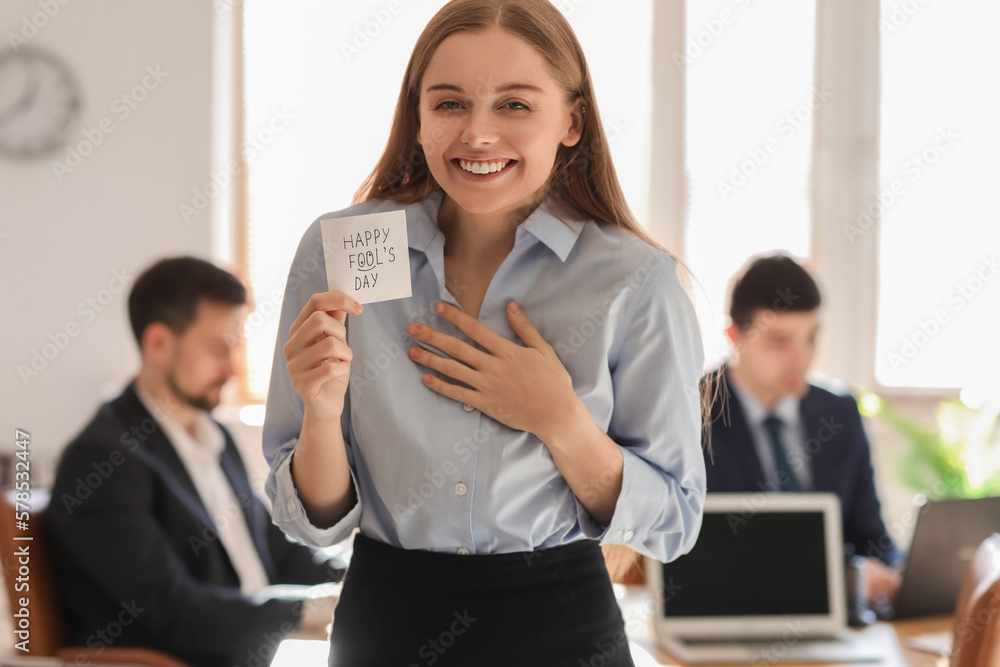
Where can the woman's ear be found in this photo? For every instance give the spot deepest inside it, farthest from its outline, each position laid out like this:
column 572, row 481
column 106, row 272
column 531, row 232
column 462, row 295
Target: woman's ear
column 575, row 131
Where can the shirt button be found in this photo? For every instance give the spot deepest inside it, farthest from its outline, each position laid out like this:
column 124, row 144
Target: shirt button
column 460, row 489
column 463, row 551
column 617, row 534
column 628, row 534
column 468, row 407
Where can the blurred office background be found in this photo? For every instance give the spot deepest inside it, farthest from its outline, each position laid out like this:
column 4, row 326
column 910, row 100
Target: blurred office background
column 859, row 136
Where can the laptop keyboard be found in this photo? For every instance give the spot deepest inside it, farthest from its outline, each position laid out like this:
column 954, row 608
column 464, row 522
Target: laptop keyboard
column 753, row 641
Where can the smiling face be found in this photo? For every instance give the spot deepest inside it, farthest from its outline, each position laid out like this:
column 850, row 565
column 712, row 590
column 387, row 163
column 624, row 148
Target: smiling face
column 488, row 102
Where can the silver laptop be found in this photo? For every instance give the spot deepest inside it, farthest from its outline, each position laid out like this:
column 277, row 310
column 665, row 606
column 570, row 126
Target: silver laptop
column 944, row 540
column 763, row 584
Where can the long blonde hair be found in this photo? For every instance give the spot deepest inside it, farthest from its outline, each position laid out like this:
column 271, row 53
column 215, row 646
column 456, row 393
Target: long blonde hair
column 583, row 184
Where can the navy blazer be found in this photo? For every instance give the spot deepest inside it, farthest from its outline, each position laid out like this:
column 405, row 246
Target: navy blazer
column 135, row 551
column 837, row 453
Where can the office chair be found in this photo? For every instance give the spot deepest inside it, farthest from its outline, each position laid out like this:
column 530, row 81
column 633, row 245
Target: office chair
column 44, row 616
column 976, row 640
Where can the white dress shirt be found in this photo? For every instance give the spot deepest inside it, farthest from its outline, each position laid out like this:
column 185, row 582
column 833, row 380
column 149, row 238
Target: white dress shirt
column 200, row 456
column 794, row 438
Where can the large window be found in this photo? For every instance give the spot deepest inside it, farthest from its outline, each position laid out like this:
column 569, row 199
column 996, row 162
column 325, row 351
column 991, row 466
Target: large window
column 750, row 102
column 939, row 288
column 321, row 82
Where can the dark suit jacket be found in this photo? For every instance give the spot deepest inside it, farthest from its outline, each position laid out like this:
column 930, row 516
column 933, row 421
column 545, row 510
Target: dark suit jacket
column 838, row 457
column 135, row 551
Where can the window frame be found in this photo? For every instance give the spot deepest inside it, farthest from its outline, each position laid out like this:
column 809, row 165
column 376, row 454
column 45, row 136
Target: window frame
column 845, row 170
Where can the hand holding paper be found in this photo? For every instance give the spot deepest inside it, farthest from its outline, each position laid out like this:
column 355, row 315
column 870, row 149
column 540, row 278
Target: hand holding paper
column 367, row 256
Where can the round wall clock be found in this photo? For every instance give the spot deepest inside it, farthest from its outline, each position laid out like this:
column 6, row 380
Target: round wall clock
column 40, row 103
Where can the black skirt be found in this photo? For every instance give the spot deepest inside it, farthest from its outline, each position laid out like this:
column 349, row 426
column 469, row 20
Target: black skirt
column 405, row 607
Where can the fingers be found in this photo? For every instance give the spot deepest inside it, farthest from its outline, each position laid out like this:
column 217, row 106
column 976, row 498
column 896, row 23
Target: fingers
column 309, row 382
column 319, row 325
column 524, row 328
column 336, row 304
column 326, row 350
column 453, row 347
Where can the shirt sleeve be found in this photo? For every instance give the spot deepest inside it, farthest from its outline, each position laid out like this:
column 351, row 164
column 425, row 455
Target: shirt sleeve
column 285, row 409
column 656, row 421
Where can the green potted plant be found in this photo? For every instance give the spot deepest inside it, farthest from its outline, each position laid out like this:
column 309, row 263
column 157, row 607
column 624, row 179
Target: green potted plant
column 959, row 458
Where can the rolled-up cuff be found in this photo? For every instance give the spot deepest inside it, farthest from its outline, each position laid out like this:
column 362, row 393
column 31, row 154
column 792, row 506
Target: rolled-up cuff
column 288, row 513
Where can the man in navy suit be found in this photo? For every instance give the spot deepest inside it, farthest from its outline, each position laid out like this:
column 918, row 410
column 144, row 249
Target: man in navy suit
column 157, row 537
column 772, row 431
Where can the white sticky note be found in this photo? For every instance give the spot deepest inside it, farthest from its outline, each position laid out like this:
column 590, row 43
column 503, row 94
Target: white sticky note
column 367, row 256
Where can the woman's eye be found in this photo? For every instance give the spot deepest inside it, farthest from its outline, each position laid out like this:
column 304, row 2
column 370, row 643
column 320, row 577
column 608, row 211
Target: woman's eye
column 519, row 106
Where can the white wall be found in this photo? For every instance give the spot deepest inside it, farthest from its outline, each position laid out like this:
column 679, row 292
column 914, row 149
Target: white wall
column 117, row 211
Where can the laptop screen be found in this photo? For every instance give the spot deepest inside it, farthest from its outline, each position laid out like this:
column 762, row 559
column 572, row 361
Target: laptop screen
column 763, row 564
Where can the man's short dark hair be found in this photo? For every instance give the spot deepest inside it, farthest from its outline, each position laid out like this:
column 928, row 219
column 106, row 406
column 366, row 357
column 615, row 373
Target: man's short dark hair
column 777, row 283
column 169, row 291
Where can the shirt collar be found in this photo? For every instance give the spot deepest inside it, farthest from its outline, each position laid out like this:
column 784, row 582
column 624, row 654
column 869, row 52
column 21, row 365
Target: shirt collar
column 559, row 236
column 787, row 407
column 209, row 439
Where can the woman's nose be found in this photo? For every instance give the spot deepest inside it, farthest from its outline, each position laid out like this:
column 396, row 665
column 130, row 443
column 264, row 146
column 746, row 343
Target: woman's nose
column 480, row 127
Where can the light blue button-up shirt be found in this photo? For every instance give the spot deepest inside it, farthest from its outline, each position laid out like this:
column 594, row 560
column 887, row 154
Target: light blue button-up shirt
column 434, row 474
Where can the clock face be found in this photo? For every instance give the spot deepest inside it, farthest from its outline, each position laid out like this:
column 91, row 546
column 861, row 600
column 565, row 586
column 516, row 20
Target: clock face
column 39, row 103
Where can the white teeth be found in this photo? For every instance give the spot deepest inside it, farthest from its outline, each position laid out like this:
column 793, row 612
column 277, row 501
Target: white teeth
column 483, row 167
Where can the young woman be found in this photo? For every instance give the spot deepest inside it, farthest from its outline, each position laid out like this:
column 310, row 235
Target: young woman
column 535, row 398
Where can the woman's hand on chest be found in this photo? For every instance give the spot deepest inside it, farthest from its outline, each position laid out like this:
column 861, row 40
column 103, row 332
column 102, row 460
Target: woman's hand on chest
column 525, row 387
